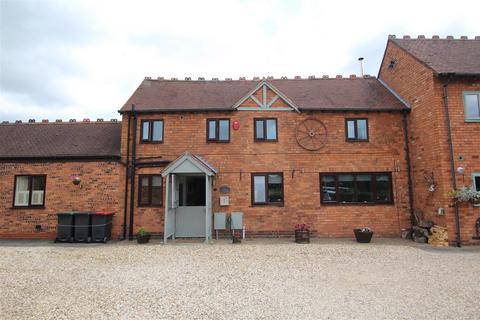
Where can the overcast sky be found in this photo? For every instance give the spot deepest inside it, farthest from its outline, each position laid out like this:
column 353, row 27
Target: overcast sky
column 83, row 59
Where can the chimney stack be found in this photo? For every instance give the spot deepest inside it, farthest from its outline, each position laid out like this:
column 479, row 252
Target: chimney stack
column 361, row 66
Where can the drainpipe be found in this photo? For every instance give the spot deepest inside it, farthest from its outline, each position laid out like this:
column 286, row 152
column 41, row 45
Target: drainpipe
column 132, row 172
column 452, row 158
column 127, row 169
column 409, row 173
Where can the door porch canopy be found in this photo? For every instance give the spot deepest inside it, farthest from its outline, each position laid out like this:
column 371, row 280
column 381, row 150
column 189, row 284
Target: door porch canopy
column 187, row 163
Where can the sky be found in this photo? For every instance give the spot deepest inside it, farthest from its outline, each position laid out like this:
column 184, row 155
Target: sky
column 83, row 59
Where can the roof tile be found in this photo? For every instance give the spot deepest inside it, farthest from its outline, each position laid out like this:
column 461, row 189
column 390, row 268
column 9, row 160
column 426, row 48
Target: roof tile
column 60, row 140
column 461, row 56
column 357, row 93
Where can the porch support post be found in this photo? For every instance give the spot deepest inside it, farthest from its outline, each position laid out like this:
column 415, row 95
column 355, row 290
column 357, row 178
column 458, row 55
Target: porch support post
column 165, row 219
column 207, row 193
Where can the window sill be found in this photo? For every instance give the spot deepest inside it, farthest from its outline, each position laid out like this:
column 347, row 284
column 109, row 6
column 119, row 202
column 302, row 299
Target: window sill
column 267, row 205
column 218, row 141
column 265, row 140
column 151, row 142
column 27, row 207
column 357, row 203
column 472, row 120
column 355, row 140
column 150, row 206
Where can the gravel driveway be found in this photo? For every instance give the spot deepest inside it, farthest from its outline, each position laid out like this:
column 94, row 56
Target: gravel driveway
column 258, row 279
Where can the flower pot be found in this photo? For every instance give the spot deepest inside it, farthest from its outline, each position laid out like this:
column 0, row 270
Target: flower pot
column 302, row 236
column 363, row 236
column 143, row 238
column 236, row 239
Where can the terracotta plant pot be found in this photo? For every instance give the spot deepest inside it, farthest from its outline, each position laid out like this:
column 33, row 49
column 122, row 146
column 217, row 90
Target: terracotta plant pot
column 363, row 236
column 302, row 236
column 143, row 239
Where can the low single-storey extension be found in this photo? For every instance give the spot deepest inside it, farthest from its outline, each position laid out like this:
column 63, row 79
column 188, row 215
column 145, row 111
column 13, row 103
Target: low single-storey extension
column 38, row 163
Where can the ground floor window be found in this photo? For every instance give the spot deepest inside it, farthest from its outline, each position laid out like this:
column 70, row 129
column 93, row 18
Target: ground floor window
column 29, row 191
column 356, row 187
column 476, row 181
column 267, row 188
column 150, row 191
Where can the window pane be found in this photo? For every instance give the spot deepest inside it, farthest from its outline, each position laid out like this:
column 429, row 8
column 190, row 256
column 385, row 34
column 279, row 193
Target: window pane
column 364, row 188
column 21, row 191
column 383, row 188
column 259, row 129
column 272, row 129
column 351, row 129
column 224, row 126
column 145, row 130
column 157, row 134
column 362, row 129
column 472, row 108
column 275, row 192
column 346, row 190
column 477, row 183
column 259, row 189
column 212, row 129
column 329, row 188
column 144, row 190
column 38, row 190
column 157, row 190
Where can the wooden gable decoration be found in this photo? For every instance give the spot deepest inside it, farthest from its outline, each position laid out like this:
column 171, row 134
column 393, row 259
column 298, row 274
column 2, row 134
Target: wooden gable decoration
column 265, row 97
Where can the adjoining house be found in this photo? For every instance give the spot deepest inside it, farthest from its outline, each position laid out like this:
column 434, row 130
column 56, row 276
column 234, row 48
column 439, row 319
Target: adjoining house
column 440, row 80
column 334, row 153
column 38, row 163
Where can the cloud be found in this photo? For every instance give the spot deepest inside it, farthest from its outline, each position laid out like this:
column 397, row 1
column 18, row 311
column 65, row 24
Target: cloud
column 85, row 58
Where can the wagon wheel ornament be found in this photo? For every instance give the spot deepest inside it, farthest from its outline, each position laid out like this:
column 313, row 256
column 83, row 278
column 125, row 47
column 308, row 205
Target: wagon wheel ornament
column 311, row 134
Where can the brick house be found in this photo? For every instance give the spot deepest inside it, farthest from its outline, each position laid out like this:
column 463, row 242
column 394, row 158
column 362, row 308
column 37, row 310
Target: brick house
column 326, row 152
column 440, row 80
column 37, row 164
column 329, row 152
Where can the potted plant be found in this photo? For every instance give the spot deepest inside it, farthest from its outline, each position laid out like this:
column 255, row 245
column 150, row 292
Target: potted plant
column 302, row 233
column 363, row 235
column 466, row 194
column 143, row 236
column 236, row 237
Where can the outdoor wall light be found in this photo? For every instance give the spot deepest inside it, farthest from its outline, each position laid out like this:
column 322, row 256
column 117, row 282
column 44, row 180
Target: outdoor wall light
column 461, row 170
column 76, row 180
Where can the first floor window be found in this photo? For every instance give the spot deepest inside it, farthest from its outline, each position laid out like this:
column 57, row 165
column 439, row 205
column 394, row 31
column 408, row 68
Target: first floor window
column 265, row 129
column 152, row 131
column 267, row 188
column 218, row 130
column 29, row 191
column 150, row 190
column 472, row 105
column 356, row 187
column 356, row 129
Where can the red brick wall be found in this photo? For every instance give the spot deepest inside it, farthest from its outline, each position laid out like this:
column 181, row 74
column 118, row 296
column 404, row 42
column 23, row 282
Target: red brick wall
column 466, row 142
column 99, row 190
column 242, row 156
column 429, row 150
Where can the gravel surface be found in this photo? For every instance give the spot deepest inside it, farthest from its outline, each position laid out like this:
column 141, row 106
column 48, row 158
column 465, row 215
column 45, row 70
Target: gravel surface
column 258, row 279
